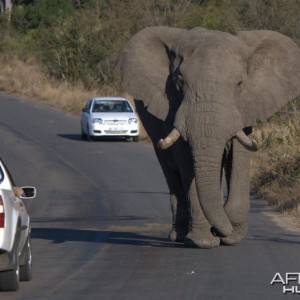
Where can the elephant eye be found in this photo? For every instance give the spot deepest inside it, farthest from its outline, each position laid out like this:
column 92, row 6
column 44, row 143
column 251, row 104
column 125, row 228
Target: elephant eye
column 178, row 80
column 240, row 83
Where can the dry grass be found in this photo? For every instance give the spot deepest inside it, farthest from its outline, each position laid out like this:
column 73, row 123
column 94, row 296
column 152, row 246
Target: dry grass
column 29, row 81
column 276, row 167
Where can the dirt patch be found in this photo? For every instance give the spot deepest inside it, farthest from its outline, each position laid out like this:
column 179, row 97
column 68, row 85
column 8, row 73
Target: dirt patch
column 287, row 222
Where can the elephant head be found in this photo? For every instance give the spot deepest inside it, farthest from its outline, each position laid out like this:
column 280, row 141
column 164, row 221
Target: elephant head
column 219, row 83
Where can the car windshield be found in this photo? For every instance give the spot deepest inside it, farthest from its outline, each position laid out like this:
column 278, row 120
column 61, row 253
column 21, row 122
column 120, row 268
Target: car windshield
column 111, row 106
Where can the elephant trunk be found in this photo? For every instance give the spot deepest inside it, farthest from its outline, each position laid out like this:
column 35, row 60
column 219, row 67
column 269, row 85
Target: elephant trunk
column 208, row 166
column 203, row 128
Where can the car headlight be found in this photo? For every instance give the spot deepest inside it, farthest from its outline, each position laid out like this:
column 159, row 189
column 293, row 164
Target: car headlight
column 132, row 120
column 97, row 121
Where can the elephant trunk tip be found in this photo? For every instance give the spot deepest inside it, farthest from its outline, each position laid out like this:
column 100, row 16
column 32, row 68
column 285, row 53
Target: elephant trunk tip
column 221, row 228
column 222, row 233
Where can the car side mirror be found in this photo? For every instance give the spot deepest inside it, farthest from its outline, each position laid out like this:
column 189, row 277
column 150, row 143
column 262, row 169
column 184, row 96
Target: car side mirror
column 86, row 110
column 29, row 192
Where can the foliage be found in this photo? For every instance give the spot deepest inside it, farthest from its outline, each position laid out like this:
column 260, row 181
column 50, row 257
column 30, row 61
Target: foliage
column 79, row 40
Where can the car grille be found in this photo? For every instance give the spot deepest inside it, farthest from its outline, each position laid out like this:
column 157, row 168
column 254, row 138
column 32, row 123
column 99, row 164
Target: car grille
column 115, row 132
column 115, row 122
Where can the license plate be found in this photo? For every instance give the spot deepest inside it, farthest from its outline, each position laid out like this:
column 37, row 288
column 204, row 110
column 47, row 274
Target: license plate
column 115, row 128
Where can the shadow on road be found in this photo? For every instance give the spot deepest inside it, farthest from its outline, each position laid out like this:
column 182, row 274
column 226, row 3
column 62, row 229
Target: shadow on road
column 71, row 136
column 77, row 137
column 58, row 235
column 284, row 238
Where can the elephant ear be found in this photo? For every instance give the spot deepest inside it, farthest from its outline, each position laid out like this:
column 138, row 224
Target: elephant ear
column 144, row 65
column 273, row 74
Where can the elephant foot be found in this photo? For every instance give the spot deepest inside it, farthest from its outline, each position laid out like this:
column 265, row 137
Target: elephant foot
column 177, row 235
column 201, row 239
column 238, row 234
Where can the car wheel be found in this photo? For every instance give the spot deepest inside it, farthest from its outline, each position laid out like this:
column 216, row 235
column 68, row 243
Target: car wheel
column 88, row 136
column 9, row 280
column 135, row 138
column 26, row 269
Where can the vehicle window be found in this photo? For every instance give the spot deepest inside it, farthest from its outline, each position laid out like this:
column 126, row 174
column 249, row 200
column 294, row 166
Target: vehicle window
column 88, row 105
column 111, row 106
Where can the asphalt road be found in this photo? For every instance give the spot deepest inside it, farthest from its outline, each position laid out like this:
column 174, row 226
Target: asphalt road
column 101, row 220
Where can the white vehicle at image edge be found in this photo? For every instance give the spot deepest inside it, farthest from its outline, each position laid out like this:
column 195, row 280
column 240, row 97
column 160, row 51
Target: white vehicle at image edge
column 109, row 116
column 15, row 246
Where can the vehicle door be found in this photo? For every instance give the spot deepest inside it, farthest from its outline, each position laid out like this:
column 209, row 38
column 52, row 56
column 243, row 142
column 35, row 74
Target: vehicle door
column 14, row 207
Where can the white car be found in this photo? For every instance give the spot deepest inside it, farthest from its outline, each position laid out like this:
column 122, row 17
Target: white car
column 109, row 116
column 15, row 247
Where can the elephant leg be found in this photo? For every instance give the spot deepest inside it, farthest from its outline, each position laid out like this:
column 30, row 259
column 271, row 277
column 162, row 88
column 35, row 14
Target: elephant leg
column 178, row 196
column 156, row 129
column 238, row 183
column 180, row 213
column 200, row 234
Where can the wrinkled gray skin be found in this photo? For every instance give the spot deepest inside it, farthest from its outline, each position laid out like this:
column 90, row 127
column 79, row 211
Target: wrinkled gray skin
column 209, row 85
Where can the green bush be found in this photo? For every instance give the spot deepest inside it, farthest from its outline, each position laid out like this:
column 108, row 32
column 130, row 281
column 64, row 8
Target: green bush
column 41, row 13
column 79, row 40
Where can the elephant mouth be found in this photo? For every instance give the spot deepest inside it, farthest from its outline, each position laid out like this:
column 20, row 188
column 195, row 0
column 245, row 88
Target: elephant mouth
column 244, row 140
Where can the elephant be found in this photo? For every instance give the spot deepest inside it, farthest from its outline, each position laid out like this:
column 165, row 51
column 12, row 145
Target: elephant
column 199, row 93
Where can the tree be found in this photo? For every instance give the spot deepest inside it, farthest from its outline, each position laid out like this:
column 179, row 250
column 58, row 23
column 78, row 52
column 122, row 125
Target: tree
column 6, row 5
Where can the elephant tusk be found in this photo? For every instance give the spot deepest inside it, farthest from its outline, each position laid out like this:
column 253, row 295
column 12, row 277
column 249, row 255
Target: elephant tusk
column 249, row 144
column 164, row 144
